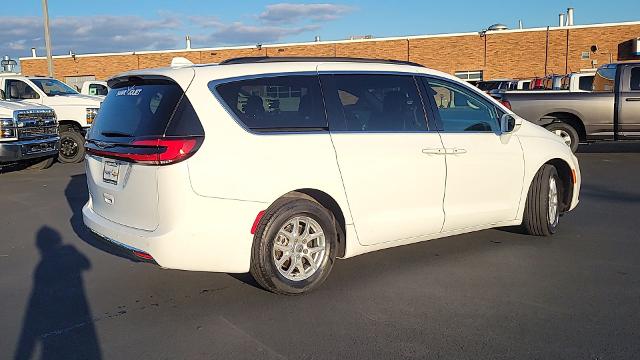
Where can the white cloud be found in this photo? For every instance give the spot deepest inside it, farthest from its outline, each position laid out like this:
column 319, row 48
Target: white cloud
column 105, row 33
column 286, row 13
column 239, row 33
column 87, row 34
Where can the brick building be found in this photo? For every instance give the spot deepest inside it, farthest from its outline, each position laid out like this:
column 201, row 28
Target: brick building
column 518, row 53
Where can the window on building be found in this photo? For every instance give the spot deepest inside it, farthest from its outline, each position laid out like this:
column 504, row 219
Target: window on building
column 470, row 76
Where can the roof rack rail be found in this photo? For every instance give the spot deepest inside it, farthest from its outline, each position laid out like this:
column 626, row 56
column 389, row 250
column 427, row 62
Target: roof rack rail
column 276, row 59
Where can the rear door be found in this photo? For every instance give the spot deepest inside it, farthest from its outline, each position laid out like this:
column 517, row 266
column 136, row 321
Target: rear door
column 138, row 119
column 629, row 103
column 391, row 163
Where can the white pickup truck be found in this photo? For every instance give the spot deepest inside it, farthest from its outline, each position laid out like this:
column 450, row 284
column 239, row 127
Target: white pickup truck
column 75, row 111
column 28, row 134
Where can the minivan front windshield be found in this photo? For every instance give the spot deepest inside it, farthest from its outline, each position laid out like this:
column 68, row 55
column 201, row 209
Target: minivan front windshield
column 53, row 87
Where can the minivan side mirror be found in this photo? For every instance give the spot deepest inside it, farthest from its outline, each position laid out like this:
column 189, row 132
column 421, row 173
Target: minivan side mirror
column 2, row 97
column 509, row 123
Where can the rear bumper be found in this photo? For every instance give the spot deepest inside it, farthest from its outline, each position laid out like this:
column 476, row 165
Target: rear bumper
column 116, row 248
column 214, row 237
column 16, row 151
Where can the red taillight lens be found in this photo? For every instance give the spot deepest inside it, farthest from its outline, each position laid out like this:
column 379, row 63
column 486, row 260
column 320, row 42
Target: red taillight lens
column 256, row 222
column 161, row 151
column 506, row 104
column 142, row 255
column 168, row 150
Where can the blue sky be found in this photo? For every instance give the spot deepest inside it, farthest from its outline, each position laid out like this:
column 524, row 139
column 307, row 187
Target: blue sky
column 116, row 25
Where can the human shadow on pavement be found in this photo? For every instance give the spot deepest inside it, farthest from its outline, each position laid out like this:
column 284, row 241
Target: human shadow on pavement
column 58, row 322
column 77, row 196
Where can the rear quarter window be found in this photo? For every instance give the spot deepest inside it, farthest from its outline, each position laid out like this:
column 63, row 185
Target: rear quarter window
column 281, row 103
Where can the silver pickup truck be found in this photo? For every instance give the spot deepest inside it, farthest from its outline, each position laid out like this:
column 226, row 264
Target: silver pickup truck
column 610, row 112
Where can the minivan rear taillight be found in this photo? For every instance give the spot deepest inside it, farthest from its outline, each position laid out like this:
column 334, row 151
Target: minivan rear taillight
column 160, row 151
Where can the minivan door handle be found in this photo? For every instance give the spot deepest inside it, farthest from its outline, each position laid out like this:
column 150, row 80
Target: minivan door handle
column 456, row 151
column 632, row 99
column 434, row 151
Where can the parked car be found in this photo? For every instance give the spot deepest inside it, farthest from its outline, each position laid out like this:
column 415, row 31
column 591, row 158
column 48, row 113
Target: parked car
column 610, row 112
column 28, row 134
column 492, row 85
column 75, row 112
column 276, row 166
column 578, row 82
column 95, row 87
column 524, row 84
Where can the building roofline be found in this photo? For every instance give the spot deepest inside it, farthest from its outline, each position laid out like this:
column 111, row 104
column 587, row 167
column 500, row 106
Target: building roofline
column 348, row 41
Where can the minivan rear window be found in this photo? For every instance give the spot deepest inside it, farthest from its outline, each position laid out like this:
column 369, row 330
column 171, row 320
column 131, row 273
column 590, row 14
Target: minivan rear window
column 141, row 108
column 280, row 103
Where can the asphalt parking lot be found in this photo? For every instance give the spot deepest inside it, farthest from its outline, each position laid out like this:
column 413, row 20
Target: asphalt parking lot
column 493, row 294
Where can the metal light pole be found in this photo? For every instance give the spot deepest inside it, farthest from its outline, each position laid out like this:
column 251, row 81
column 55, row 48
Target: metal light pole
column 47, row 37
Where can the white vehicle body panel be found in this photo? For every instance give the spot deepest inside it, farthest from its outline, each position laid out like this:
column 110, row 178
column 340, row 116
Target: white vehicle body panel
column 390, row 180
column 484, row 181
column 199, row 212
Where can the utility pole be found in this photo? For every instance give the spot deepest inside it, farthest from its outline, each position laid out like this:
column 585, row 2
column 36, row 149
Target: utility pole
column 47, row 37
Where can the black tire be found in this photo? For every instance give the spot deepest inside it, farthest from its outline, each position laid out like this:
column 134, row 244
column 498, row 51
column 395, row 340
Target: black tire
column 71, row 146
column 42, row 164
column 566, row 130
column 263, row 266
column 536, row 220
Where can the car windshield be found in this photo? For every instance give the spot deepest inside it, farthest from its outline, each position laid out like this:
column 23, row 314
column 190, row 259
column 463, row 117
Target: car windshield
column 53, row 87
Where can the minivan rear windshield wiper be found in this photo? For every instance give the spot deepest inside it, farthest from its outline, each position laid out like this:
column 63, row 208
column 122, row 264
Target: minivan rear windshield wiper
column 115, row 134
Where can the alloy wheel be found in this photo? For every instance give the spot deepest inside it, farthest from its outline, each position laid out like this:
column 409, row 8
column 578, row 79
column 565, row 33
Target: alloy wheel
column 300, row 248
column 553, row 213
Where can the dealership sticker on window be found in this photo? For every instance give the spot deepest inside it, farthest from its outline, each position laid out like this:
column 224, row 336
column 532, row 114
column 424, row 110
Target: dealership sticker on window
column 130, row 91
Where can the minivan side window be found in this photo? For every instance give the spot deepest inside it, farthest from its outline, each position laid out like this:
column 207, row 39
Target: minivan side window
column 19, row 90
column 279, row 103
column 377, row 102
column 461, row 109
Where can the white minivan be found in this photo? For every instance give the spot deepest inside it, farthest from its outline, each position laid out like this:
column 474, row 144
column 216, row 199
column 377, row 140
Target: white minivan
column 278, row 166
